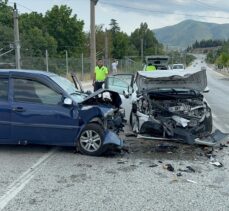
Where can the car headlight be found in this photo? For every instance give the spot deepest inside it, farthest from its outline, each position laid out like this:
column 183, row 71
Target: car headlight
column 109, row 113
column 122, row 112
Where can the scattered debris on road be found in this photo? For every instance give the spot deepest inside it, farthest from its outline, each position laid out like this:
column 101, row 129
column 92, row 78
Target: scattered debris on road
column 164, row 148
column 121, row 161
column 169, row 167
column 217, row 164
column 153, row 165
column 130, row 134
column 221, row 146
column 188, row 169
column 191, row 181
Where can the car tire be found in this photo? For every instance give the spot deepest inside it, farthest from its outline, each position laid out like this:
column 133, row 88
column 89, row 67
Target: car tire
column 91, row 139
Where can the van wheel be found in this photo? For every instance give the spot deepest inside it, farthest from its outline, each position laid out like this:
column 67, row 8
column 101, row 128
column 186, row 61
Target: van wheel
column 91, row 140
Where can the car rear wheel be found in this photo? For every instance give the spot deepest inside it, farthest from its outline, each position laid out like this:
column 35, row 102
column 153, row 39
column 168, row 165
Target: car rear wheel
column 91, row 140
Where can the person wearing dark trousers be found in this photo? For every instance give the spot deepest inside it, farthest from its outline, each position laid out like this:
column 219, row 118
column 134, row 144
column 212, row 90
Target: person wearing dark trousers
column 100, row 75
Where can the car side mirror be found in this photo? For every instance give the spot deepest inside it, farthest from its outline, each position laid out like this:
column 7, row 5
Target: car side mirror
column 206, row 90
column 68, row 101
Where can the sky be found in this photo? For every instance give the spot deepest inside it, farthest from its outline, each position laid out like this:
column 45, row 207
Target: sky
column 130, row 13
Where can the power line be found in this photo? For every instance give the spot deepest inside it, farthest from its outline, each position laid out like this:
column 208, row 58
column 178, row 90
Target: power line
column 21, row 5
column 162, row 12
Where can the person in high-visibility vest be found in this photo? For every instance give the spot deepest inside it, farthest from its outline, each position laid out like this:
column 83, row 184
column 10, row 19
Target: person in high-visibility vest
column 100, row 75
column 150, row 67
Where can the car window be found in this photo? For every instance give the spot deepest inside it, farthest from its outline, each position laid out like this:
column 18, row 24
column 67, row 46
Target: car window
column 26, row 90
column 117, row 84
column 128, row 78
column 4, row 82
column 178, row 67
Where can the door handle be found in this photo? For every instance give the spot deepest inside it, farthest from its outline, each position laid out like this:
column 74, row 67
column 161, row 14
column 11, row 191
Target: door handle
column 18, row 109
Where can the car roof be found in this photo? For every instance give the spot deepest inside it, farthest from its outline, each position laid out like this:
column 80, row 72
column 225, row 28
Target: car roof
column 35, row 72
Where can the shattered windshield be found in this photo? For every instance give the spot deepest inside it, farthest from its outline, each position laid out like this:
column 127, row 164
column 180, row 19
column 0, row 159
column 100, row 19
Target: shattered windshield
column 69, row 87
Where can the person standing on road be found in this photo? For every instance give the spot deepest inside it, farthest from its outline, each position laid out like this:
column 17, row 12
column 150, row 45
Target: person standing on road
column 150, row 67
column 100, row 75
column 114, row 66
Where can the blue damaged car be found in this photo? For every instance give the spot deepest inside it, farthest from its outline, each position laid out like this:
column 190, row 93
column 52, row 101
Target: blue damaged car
column 43, row 108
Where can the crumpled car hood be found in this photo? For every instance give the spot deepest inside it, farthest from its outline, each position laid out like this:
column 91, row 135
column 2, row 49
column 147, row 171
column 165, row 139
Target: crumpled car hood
column 187, row 79
column 116, row 99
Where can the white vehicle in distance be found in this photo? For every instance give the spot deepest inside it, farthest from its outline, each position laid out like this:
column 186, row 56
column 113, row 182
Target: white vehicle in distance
column 178, row 67
column 159, row 61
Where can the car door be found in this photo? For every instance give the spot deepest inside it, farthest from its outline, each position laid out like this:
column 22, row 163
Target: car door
column 39, row 116
column 5, row 122
column 124, row 85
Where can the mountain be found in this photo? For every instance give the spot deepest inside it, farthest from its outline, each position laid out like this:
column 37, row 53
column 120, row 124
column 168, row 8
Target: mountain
column 187, row 32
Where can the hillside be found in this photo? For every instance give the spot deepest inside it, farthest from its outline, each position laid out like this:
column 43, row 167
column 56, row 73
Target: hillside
column 187, row 32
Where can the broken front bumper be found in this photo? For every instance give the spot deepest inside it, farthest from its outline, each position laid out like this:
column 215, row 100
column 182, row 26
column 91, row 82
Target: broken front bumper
column 111, row 138
column 213, row 139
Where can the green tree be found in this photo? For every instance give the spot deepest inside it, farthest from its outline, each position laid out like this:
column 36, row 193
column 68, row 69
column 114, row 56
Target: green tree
column 151, row 44
column 114, row 27
column 66, row 29
column 6, row 25
column 120, row 41
column 6, row 36
column 28, row 21
column 6, row 14
column 120, row 45
column 35, row 42
column 223, row 59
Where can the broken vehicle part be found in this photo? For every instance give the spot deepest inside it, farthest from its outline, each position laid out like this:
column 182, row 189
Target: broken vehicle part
column 212, row 139
column 217, row 164
column 170, row 105
column 169, row 167
column 109, row 108
column 153, row 165
column 188, row 169
column 191, row 181
column 164, row 148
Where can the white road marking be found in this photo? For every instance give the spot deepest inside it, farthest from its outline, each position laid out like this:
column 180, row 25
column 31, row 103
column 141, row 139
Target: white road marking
column 24, row 179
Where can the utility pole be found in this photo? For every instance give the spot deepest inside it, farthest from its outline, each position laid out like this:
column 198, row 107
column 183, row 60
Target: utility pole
column 16, row 38
column 106, row 48
column 142, row 50
column 47, row 60
column 82, row 67
column 66, row 58
column 92, row 38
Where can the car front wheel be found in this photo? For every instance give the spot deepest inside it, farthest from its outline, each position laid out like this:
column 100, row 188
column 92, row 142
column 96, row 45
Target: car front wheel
column 91, row 140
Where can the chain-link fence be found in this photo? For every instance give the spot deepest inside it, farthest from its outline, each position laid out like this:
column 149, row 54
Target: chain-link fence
column 62, row 66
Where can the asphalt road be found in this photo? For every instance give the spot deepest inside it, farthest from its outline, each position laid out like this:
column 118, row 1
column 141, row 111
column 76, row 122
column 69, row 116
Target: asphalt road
column 47, row 178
